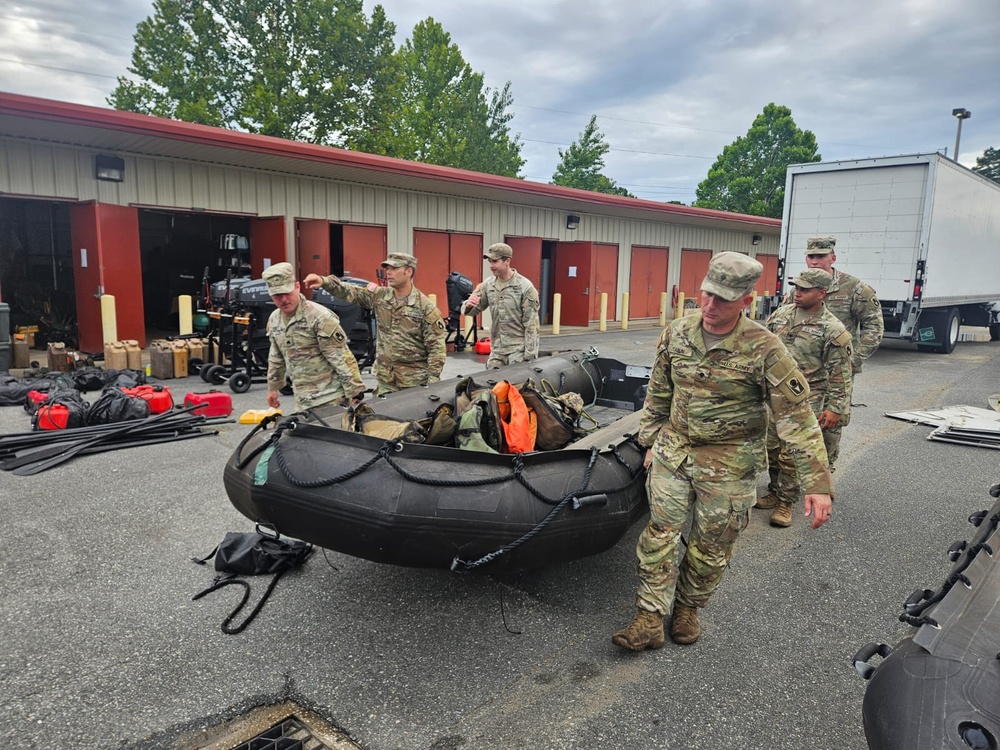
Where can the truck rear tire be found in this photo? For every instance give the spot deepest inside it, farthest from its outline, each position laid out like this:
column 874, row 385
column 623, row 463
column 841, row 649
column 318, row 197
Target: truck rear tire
column 946, row 324
column 995, row 332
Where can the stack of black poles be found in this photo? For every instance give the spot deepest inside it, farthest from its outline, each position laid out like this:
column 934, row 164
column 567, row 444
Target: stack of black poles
column 29, row 453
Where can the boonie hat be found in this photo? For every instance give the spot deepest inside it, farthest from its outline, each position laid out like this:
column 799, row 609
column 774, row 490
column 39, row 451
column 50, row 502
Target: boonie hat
column 280, row 278
column 812, row 278
column 820, row 245
column 499, row 250
column 398, row 260
column 731, row 275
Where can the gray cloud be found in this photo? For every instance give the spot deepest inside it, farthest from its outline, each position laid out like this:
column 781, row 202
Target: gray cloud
column 686, row 78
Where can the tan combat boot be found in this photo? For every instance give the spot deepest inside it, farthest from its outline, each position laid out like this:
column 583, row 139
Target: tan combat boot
column 645, row 631
column 782, row 515
column 685, row 628
column 767, row 502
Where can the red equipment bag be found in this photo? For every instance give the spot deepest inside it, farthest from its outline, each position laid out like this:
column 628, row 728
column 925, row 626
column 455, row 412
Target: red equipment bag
column 213, row 403
column 483, row 345
column 157, row 396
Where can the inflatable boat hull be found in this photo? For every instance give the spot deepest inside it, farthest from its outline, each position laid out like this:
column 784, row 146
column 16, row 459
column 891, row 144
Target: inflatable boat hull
column 430, row 506
column 940, row 686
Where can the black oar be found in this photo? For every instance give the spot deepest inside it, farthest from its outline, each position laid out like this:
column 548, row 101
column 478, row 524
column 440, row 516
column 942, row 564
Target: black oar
column 66, row 453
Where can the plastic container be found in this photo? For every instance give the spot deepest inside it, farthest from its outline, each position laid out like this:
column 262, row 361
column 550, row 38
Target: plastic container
column 51, row 417
column 115, row 356
column 256, row 416
column 157, row 396
column 133, row 354
column 161, row 359
column 214, row 403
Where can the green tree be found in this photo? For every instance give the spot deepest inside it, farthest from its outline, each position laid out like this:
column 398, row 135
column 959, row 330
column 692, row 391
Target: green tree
column 749, row 175
column 988, row 165
column 309, row 70
column 581, row 163
column 444, row 113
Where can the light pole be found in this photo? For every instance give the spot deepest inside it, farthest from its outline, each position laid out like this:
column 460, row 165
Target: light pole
column 962, row 114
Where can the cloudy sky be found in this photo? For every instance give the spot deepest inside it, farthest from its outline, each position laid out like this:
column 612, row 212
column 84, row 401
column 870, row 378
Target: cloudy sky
column 672, row 83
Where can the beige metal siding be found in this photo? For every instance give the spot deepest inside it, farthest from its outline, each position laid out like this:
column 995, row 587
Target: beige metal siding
column 64, row 172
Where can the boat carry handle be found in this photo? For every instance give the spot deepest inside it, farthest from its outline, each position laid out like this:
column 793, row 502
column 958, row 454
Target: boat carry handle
column 579, row 501
column 866, row 652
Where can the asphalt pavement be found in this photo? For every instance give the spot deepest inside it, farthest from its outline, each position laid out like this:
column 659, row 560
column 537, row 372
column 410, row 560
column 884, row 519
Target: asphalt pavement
column 102, row 645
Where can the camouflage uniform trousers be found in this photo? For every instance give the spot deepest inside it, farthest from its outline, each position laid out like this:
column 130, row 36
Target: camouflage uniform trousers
column 783, row 479
column 719, row 511
column 393, row 378
column 499, row 360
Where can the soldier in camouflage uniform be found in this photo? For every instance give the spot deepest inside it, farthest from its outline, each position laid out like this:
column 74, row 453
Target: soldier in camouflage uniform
column 851, row 300
column 410, row 348
column 821, row 347
column 513, row 304
column 704, row 424
column 309, row 346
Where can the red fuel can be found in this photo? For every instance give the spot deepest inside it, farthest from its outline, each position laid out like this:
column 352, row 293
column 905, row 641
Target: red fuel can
column 213, row 403
column 158, row 397
column 51, row 417
column 483, row 346
column 33, row 399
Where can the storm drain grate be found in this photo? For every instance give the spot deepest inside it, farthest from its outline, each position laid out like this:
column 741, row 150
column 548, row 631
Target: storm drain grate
column 289, row 734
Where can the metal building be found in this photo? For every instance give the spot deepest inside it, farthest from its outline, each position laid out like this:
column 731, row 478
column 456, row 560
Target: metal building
column 96, row 201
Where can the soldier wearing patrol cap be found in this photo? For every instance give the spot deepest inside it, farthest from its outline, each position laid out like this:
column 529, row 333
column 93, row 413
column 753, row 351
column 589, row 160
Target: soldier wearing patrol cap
column 513, row 304
column 704, row 424
column 851, row 300
column 410, row 345
column 821, row 347
column 308, row 346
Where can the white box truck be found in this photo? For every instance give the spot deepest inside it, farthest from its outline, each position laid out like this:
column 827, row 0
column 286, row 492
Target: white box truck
column 923, row 231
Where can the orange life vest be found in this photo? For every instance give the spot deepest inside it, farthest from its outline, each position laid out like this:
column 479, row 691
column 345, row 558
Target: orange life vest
column 518, row 421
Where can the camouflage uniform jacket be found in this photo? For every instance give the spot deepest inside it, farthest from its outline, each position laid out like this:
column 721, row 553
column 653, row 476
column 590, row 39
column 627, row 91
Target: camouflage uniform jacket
column 311, row 348
column 513, row 306
column 821, row 347
column 410, row 348
column 855, row 304
column 712, row 406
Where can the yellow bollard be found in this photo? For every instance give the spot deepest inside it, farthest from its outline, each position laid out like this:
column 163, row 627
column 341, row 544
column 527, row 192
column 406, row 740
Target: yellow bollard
column 556, row 312
column 663, row 309
column 680, row 306
column 185, row 326
column 753, row 305
column 109, row 323
column 433, row 298
column 625, row 299
column 604, row 312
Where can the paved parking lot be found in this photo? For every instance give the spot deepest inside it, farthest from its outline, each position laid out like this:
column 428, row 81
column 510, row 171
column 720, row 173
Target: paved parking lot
column 103, row 647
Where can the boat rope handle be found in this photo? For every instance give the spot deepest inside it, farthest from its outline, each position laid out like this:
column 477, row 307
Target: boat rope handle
column 262, row 425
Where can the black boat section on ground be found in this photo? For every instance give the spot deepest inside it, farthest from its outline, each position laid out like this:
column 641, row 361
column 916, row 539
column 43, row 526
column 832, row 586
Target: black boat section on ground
column 939, row 687
column 432, row 506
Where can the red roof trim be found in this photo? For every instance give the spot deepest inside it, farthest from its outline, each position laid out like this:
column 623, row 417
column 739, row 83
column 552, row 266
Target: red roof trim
column 130, row 122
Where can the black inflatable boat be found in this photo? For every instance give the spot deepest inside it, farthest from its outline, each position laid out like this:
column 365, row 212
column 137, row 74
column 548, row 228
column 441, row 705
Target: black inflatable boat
column 420, row 505
column 939, row 687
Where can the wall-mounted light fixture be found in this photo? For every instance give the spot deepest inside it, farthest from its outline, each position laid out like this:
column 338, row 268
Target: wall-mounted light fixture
column 572, row 221
column 755, row 240
column 109, row 168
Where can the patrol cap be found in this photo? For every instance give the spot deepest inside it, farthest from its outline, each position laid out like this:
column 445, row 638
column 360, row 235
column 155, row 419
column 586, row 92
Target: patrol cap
column 499, row 250
column 731, row 275
column 820, row 245
column 280, row 278
column 812, row 278
column 398, row 260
